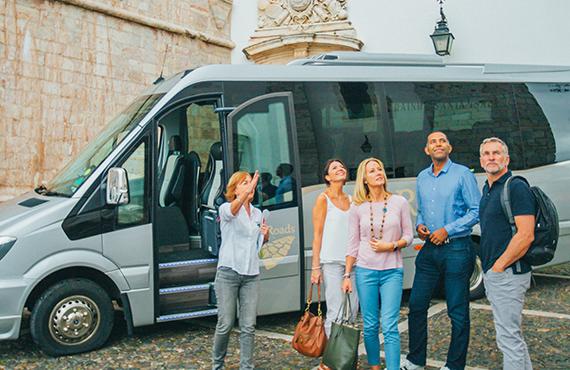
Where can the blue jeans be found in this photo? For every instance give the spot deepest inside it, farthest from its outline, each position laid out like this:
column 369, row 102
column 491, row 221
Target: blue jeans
column 374, row 286
column 453, row 263
column 232, row 287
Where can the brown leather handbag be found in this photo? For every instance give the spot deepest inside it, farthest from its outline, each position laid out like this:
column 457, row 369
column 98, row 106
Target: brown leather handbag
column 310, row 338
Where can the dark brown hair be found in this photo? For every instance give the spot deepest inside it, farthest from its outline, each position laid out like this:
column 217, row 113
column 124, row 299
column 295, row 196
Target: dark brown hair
column 328, row 165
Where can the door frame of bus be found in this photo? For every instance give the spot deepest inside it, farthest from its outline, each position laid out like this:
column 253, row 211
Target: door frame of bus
column 218, row 98
column 292, row 132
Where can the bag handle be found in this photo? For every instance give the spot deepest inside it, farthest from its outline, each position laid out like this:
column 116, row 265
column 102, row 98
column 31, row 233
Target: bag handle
column 310, row 299
column 345, row 311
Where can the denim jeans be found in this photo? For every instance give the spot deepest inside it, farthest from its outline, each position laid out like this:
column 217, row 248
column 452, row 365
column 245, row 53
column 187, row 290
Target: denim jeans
column 383, row 286
column 232, row 287
column 452, row 262
column 332, row 278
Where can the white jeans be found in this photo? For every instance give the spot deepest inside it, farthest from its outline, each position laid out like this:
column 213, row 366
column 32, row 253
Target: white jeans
column 332, row 277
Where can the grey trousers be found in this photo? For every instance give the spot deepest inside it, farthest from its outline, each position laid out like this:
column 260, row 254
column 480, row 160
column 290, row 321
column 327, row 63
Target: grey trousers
column 506, row 293
column 232, row 287
column 332, row 278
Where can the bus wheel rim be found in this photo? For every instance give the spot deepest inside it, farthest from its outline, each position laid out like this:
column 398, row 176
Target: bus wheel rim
column 477, row 276
column 74, row 320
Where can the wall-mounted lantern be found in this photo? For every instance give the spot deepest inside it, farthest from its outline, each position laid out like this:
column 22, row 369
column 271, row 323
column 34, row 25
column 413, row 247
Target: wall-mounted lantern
column 441, row 37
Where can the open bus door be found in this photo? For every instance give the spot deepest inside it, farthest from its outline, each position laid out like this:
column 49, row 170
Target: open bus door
column 261, row 135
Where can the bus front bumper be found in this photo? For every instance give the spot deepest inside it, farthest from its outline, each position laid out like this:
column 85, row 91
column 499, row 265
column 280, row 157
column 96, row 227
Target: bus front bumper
column 12, row 296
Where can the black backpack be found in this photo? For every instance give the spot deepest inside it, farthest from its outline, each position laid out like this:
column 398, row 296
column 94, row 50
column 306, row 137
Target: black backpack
column 546, row 228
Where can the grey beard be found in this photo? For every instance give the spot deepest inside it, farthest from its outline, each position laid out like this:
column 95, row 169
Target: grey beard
column 499, row 169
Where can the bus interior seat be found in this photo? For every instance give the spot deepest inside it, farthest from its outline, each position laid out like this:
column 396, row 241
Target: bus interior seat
column 172, row 226
column 191, row 191
column 210, row 199
column 212, row 177
column 172, row 175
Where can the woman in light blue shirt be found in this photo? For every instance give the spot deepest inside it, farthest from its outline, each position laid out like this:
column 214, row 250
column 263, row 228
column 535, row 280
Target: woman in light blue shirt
column 237, row 278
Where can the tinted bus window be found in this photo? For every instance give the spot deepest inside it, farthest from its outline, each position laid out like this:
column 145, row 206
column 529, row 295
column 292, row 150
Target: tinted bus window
column 261, row 142
column 544, row 114
column 466, row 112
column 340, row 120
column 334, row 119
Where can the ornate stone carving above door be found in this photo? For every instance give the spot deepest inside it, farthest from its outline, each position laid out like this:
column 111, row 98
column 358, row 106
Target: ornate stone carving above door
column 291, row 29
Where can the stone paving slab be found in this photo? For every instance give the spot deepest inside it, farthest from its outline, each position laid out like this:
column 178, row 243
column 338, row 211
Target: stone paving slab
column 547, row 339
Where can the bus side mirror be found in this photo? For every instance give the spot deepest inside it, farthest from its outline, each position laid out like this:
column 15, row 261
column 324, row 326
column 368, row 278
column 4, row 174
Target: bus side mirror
column 117, row 186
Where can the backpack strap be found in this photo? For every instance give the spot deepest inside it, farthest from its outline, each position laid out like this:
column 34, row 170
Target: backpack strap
column 506, row 205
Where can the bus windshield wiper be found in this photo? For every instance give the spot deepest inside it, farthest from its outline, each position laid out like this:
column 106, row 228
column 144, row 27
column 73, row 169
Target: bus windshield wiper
column 56, row 194
column 43, row 190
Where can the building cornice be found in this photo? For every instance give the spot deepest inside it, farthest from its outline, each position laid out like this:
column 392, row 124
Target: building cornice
column 151, row 22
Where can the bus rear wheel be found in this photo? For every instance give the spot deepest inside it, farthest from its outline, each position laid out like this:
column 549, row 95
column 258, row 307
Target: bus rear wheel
column 476, row 286
column 72, row 316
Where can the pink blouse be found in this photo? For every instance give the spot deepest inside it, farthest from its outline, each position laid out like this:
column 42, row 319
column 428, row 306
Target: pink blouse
column 398, row 225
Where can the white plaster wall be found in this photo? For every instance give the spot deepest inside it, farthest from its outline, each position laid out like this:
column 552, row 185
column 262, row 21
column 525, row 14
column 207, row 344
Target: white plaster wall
column 486, row 31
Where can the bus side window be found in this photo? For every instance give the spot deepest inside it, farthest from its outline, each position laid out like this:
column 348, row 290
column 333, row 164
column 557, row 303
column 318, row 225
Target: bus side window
column 256, row 130
column 136, row 211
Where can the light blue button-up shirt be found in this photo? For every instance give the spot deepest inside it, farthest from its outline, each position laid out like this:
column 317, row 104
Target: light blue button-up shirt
column 240, row 237
column 450, row 199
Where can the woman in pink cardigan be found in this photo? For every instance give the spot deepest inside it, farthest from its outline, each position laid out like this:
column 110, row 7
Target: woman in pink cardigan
column 379, row 227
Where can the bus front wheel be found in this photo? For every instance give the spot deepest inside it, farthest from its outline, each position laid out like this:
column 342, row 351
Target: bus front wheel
column 72, row 316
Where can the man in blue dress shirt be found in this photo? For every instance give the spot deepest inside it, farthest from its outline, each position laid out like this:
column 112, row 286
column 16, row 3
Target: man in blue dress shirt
column 448, row 207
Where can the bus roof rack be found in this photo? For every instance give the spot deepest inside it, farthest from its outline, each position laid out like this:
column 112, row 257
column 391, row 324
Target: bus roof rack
column 358, row 58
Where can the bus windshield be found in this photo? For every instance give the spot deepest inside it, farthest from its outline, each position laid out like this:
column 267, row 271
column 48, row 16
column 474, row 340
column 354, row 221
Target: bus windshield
column 68, row 180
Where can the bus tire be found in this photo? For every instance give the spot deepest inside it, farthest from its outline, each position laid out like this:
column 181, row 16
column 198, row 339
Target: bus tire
column 72, row 316
column 476, row 286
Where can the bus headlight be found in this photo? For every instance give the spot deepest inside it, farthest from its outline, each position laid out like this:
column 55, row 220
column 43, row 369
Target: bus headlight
column 6, row 242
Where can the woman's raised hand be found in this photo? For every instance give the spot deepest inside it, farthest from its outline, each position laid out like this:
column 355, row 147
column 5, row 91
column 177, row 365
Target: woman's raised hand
column 253, row 183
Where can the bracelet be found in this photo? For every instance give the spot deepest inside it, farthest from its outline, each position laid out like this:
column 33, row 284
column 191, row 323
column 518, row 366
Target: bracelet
column 346, row 276
column 316, row 268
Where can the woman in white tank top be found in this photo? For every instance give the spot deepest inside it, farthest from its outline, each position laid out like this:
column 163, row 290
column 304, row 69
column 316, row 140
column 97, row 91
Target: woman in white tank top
column 330, row 239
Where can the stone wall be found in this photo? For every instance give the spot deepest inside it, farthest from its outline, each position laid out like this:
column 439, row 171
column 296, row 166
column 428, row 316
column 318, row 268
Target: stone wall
column 68, row 66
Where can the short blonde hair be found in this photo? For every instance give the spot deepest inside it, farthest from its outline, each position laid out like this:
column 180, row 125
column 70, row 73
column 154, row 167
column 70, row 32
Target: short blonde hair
column 236, row 178
column 361, row 190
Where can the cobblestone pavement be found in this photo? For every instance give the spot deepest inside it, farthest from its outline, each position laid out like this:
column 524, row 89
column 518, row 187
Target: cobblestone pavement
column 186, row 345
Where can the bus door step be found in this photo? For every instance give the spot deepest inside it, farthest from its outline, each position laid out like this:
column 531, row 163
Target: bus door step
column 185, row 298
column 187, row 315
column 190, row 272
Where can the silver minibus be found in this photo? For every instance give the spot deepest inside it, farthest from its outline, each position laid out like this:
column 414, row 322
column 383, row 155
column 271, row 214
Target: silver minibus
column 131, row 222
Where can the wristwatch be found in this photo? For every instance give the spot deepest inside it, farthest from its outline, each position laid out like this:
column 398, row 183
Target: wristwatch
column 395, row 246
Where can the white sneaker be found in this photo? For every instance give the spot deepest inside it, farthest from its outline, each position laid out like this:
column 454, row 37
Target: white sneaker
column 445, row 368
column 406, row 364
